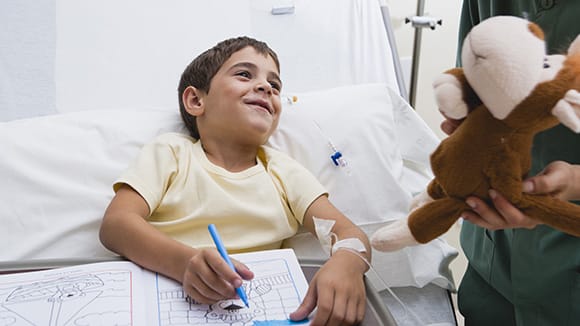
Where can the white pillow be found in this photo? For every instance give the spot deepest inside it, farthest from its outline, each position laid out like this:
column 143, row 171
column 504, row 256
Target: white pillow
column 56, row 173
column 359, row 122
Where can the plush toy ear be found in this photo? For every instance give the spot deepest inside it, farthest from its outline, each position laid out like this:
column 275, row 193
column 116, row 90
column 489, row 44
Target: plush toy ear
column 567, row 110
column 449, row 96
column 453, row 94
column 574, row 48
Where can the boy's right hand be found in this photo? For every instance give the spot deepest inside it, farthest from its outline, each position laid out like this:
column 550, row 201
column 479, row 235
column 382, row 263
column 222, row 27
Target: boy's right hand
column 208, row 278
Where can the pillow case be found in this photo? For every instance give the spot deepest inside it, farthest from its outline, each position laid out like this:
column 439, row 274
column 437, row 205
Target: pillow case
column 56, row 175
column 359, row 122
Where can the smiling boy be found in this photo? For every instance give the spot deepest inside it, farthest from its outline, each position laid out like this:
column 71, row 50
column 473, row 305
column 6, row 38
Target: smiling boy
column 222, row 174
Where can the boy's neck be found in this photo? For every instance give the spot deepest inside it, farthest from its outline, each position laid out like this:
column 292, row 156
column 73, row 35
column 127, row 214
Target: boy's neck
column 232, row 157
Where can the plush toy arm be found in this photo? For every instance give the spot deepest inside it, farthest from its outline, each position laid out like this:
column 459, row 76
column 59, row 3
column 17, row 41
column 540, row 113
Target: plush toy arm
column 393, row 236
column 397, row 234
column 567, row 110
column 420, row 199
column 454, row 95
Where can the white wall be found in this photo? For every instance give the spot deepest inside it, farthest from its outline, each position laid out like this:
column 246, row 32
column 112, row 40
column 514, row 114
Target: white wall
column 438, row 49
column 68, row 55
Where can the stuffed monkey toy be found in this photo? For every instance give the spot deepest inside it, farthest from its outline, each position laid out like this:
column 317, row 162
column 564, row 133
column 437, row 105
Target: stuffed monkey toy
column 507, row 91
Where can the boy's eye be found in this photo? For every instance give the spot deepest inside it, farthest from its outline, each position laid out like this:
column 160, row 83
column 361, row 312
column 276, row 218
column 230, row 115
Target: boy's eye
column 275, row 85
column 244, row 73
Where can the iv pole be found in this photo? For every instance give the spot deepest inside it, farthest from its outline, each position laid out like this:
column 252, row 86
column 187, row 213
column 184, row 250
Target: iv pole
column 416, row 54
column 419, row 22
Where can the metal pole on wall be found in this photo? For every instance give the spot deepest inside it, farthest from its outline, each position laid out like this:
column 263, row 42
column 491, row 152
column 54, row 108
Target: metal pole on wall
column 416, row 54
column 419, row 22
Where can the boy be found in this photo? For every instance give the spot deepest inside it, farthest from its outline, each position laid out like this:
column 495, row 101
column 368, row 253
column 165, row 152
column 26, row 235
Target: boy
column 229, row 100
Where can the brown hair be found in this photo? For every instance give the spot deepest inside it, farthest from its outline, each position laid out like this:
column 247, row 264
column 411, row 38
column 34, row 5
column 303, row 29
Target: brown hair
column 203, row 68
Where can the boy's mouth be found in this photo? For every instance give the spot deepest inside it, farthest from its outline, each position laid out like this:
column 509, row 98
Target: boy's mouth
column 261, row 103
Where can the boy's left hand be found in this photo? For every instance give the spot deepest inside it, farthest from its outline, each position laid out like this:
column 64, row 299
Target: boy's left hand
column 338, row 290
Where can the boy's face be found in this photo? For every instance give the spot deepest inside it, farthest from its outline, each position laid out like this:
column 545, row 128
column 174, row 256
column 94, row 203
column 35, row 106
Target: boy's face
column 243, row 103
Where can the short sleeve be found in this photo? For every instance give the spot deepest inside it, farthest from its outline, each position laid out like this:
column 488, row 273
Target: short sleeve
column 150, row 174
column 297, row 186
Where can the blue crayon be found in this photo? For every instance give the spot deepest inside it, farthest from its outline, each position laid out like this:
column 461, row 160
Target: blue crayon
column 222, row 250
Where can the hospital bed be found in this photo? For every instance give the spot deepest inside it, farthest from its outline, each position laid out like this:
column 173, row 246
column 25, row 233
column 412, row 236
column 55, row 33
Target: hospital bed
column 84, row 84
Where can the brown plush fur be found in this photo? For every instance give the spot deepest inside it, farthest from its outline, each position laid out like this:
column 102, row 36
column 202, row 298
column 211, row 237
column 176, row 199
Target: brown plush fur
column 485, row 153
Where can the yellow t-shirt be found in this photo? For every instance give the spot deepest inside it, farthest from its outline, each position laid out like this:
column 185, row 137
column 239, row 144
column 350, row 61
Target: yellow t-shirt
column 253, row 209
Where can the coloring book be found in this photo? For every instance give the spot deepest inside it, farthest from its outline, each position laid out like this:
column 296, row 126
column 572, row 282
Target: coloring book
column 122, row 293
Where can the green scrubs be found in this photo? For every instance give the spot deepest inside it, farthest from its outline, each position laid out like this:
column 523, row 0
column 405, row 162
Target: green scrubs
column 519, row 276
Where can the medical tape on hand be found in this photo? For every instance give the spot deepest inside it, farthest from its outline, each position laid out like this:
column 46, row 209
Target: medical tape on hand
column 350, row 243
column 323, row 229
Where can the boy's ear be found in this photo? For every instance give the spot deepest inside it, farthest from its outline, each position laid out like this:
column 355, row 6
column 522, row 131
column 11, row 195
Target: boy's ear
column 193, row 101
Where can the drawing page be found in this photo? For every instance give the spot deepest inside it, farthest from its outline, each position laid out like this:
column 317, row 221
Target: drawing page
column 122, row 293
column 92, row 294
column 277, row 290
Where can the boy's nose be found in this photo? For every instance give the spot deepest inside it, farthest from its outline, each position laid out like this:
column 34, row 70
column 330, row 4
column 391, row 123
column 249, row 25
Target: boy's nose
column 264, row 87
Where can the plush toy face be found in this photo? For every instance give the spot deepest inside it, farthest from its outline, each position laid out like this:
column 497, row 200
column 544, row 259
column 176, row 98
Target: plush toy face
column 504, row 70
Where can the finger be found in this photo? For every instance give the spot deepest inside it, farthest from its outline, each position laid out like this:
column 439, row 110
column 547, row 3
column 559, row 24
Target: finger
column 448, row 126
column 339, row 311
column 352, row 315
column 474, row 218
column 243, row 270
column 512, row 216
column 199, row 292
column 217, row 288
column 324, row 310
column 206, row 272
column 539, row 184
column 487, row 216
column 196, row 296
column 203, row 280
column 224, row 279
column 306, row 307
column 550, row 181
column 361, row 309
